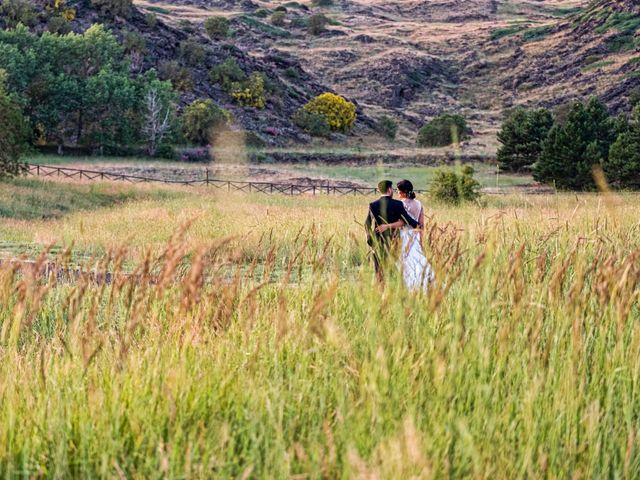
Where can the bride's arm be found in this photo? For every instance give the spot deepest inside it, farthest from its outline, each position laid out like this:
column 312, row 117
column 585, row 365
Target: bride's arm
column 387, row 226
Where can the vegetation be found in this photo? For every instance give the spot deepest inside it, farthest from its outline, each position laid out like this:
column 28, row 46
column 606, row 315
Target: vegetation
column 317, row 24
column 340, row 113
column 443, row 130
column 387, row 127
column 622, row 170
column 279, row 18
column 313, row 123
column 250, row 93
column 322, row 3
column 217, row 27
column 521, row 138
column 256, row 346
column 227, row 73
column 13, row 132
column 180, row 77
column 113, row 8
column 16, row 12
column 451, row 187
column 201, row 119
column 192, row 53
column 573, row 148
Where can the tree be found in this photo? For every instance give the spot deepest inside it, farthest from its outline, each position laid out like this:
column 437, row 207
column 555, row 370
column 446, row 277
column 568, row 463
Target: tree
column 387, row 127
column 217, row 27
column 521, row 138
column 339, row 112
column 443, row 131
column 13, row 132
column 572, row 148
column 159, row 115
column 201, row 118
column 622, row 169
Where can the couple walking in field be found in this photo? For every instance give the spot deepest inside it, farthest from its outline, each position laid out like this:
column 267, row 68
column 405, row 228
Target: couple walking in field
column 394, row 233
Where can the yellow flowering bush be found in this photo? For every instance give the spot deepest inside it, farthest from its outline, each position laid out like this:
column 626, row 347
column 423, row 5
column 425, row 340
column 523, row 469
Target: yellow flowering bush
column 250, row 93
column 340, row 113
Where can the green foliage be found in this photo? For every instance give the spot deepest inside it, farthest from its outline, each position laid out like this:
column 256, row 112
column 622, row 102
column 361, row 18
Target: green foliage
column 250, row 93
column 179, row 76
column 160, row 10
column 317, row 24
column 573, row 148
column 263, row 27
column 76, row 88
column 13, row 132
column 151, row 19
column 322, row 3
column 537, row 33
column 451, row 187
column 279, row 18
column 499, row 33
column 622, row 170
column 339, row 112
column 217, row 27
column 58, row 24
column 292, row 73
column 443, row 131
column 597, row 65
column 622, row 43
column 201, row 119
column 624, row 22
column 387, row 127
column 14, row 12
column 192, row 53
column 134, row 42
column 113, row 8
column 521, row 138
column 227, row 73
column 313, row 123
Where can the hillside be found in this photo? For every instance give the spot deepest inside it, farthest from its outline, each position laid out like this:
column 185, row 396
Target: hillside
column 409, row 59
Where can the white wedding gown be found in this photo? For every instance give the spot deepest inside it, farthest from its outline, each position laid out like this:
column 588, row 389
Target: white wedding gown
column 416, row 271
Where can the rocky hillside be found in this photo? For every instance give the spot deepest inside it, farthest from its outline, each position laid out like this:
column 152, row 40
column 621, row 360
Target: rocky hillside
column 409, row 59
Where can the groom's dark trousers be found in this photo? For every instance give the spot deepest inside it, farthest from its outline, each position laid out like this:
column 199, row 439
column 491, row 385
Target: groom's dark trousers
column 384, row 210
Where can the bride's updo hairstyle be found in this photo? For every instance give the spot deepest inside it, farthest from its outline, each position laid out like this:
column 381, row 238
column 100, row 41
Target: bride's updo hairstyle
column 406, row 187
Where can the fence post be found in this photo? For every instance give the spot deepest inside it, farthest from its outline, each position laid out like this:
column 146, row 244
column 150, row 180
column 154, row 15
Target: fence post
column 207, row 181
column 249, row 187
column 228, row 186
column 291, row 190
column 314, row 190
column 38, row 170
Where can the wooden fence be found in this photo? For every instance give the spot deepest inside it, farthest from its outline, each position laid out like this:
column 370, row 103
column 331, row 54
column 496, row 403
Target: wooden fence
column 228, row 185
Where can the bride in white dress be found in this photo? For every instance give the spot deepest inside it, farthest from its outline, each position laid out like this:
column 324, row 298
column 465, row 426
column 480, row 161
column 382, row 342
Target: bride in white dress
column 416, row 270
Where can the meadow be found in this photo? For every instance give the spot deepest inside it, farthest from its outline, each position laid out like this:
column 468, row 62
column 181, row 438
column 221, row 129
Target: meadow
column 245, row 336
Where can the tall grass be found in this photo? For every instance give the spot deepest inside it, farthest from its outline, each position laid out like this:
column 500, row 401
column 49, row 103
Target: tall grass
column 277, row 355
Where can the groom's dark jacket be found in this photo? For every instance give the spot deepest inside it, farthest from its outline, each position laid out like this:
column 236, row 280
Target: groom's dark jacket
column 385, row 210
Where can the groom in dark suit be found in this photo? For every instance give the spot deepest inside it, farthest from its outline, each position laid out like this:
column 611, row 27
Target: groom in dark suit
column 382, row 211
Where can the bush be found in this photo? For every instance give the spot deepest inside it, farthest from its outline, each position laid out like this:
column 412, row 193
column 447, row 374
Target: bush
column 13, row 12
column 227, row 73
column 322, row 3
column 151, row 19
column 186, row 25
column 317, row 24
column 134, row 42
column 13, row 132
column 292, row 73
column 253, row 140
column 217, row 27
column 167, row 152
column 443, row 131
column 113, row 8
column 200, row 118
column 179, row 77
column 387, row 127
column 201, row 154
column 450, row 187
column 58, row 24
column 279, row 18
column 340, row 113
column 572, row 148
column 315, row 124
column 521, row 138
column 250, row 93
column 192, row 53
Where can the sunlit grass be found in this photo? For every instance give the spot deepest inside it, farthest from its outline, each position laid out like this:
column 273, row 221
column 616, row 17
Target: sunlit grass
column 257, row 344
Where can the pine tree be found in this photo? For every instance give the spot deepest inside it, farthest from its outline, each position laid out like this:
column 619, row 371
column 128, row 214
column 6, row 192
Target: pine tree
column 622, row 168
column 13, row 132
column 521, row 138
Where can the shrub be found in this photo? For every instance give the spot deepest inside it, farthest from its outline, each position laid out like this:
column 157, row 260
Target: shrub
column 200, row 154
column 13, row 12
column 292, row 73
column 279, row 18
column 521, row 138
column 443, row 130
column 13, row 132
column 387, row 127
column 227, row 73
column 151, row 19
column 200, row 118
column 217, row 27
column 572, row 148
column 339, row 112
column 315, row 124
column 281, row 8
column 253, row 140
column 58, row 24
column 250, row 93
column 179, row 77
column 134, row 42
column 186, row 25
column 322, row 3
column 166, row 151
column 192, row 53
column 317, row 24
column 113, row 8
column 450, row 187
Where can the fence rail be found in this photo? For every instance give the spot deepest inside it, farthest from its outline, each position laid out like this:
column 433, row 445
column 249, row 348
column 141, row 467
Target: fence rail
column 228, row 185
